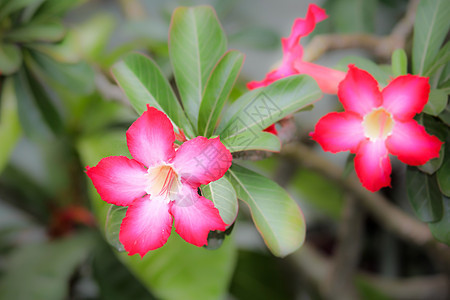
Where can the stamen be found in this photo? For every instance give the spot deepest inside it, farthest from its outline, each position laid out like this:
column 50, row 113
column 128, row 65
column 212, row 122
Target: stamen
column 163, row 182
column 378, row 124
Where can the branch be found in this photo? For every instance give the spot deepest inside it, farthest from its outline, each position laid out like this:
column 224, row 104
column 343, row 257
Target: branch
column 380, row 46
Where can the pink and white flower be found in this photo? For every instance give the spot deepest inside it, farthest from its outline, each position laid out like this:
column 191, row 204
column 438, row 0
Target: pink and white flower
column 161, row 184
column 376, row 124
column 292, row 63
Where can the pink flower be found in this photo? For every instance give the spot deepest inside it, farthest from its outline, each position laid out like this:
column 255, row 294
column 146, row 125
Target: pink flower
column 161, row 183
column 376, row 123
column 328, row 79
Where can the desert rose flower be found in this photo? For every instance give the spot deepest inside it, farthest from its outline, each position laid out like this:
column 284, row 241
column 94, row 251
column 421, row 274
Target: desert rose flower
column 376, row 124
column 292, row 63
column 161, row 183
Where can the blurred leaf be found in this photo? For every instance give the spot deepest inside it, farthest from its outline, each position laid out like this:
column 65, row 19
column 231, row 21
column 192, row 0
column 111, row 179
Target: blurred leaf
column 10, row 130
column 275, row 214
column 52, row 8
column 443, row 174
column 10, row 58
column 196, row 42
column 363, row 63
column 430, row 28
column 46, row 31
column 112, row 226
column 260, row 108
column 434, row 164
column 218, row 87
column 440, row 60
column 437, row 102
column 78, row 78
column 444, row 116
column 368, row 291
column 42, row 271
column 424, row 195
column 143, row 83
column 250, row 140
column 10, row 6
column 29, row 11
column 256, row 37
column 440, row 229
column 178, row 270
column 399, row 63
column 223, row 195
column 353, row 15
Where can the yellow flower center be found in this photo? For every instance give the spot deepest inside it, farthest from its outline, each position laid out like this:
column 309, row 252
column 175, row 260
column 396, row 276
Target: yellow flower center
column 163, row 182
column 378, row 124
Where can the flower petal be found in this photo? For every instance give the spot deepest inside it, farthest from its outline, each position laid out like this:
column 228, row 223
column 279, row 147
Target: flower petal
column 412, row 144
column 271, row 129
column 146, row 226
column 200, row 161
column 406, row 96
column 359, row 91
column 372, row 165
column 339, row 132
column 150, row 138
column 195, row 216
column 327, row 79
column 118, row 179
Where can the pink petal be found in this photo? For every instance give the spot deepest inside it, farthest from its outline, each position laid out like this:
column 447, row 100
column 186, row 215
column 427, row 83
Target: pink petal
column 271, row 129
column 339, row 132
column 406, row 96
column 150, row 138
column 372, row 165
column 118, row 179
column 359, row 92
column 195, row 216
column 200, row 161
column 146, row 226
column 283, row 71
column 328, row 79
column 412, row 144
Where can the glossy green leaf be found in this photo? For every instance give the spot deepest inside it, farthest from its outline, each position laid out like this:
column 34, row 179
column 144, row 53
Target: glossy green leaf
column 437, row 101
column 10, row 58
column 442, row 58
column 440, row 229
column 250, row 140
column 217, row 89
column 275, row 214
column 196, row 42
column 112, row 226
column 424, row 195
column 363, row 63
column 399, row 63
column 143, row 83
column 41, row 271
column 443, row 174
column 12, row 6
column 78, row 77
column 10, row 129
column 177, row 270
column 430, row 28
column 223, row 195
column 46, row 31
column 260, row 108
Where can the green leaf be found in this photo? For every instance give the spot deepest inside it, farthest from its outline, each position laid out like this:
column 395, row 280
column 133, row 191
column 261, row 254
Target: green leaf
column 443, row 174
column 260, row 108
column 434, row 164
column 430, row 28
column 444, row 116
column 10, row 58
column 437, row 101
column 251, row 140
column 196, row 42
column 217, row 89
column 112, row 226
column 10, row 129
column 46, row 31
column 442, row 58
column 363, row 63
column 12, row 6
column 143, row 83
column 78, row 78
column 52, row 8
column 42, row 271
column 275, row 214
column 424, row 195
column 351, row 16
column 177, row 270
column 399, row 63
column 223, row 195
column 440, row 229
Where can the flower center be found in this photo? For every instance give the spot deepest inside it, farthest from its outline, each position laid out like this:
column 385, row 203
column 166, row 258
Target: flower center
column 378, row 124
column 163, row 182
